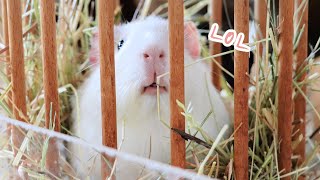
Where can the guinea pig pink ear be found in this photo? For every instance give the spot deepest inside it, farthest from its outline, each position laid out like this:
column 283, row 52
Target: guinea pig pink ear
column 191, row 39
column 94, row 50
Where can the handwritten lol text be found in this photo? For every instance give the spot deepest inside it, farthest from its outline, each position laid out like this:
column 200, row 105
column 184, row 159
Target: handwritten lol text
column 230, row 37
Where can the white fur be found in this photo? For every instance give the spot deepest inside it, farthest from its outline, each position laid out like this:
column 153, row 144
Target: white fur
column 139, row 112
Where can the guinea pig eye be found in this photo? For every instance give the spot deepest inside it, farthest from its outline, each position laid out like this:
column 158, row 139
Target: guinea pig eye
column 120, row 44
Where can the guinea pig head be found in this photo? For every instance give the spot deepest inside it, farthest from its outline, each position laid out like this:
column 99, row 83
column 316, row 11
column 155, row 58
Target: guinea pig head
column 142, row 54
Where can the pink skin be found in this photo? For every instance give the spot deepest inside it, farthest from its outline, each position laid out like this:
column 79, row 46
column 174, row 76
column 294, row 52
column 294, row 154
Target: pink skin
column 154, row 62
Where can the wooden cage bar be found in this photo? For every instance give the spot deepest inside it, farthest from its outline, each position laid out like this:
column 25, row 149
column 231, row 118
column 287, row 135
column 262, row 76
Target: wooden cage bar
column 215, row 48
column 176, row 51
column 300, row 102
column 17, row 67
column 107, row 74
column 260, row 14
column 7, row 55
column 50, row 79
column 6, row 42
column 241, row 85
column 285, row 101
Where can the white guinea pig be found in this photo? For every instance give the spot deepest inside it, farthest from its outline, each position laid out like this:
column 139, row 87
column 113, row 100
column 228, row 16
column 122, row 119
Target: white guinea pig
column 142, row 54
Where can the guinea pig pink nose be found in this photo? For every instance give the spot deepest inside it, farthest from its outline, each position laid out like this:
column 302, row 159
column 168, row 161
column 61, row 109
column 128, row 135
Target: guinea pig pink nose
column 153, row 54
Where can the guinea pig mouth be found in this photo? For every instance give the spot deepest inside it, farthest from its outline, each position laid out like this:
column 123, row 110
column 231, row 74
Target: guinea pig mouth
column 152, row 89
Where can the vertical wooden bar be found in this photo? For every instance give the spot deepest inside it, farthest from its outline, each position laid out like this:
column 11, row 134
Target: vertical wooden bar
column 260, row 13
column 6, row 54
column 300, row 102
column 176, row 40
column 17, row 70
column 50, row 78
column 285, row 101
column 107, row 73
column 215, row 48
column 6, row 42
column 117, row 5
column 241, row 85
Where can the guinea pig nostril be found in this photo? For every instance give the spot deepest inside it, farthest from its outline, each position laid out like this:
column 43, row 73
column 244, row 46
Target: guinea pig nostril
column 161, row 55
column 146, row 55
